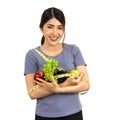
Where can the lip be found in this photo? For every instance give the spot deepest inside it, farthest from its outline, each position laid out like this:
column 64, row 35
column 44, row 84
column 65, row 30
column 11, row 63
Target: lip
column 53, row 38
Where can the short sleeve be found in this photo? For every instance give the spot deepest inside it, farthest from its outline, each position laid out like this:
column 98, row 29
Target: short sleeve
column 78, row 57
column 30, row 65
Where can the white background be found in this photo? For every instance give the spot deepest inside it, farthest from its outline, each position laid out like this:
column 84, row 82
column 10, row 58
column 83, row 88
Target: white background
column 91, row 24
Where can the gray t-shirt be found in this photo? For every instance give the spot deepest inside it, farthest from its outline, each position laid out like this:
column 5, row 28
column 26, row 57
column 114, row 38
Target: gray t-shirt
column 56, row 105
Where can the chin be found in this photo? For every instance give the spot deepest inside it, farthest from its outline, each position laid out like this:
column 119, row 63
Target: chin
column 54, row 43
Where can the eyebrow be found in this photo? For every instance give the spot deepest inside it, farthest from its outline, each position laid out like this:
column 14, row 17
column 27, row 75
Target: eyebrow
column 53, row 25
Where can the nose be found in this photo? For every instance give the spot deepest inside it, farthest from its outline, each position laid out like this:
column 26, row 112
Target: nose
column 55, row 31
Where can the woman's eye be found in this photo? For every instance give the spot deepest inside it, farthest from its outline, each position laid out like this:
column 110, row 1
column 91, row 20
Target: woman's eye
column 49, row 26
column 60, row 28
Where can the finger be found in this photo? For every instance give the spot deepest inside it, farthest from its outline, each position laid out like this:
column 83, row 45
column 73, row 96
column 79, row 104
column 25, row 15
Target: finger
column 52, row 79
column 38, row 79
column 80, row 77
column 41, row 82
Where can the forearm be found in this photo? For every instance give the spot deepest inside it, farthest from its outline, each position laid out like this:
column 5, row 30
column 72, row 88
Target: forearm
column 47, row 88
column 34, row 90
column 39, row 92
column 82, row 86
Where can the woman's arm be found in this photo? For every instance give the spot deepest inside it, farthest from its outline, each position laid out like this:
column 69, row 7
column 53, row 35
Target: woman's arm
column 69, row 86
column 39, row 92
column 85, row 78
column 80, row 85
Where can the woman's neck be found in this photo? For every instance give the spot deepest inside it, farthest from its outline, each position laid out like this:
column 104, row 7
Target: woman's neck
column 52, row 50
column 51, row 47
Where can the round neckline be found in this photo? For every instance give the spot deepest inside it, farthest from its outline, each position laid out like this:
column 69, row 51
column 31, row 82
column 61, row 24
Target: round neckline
column 39, row 48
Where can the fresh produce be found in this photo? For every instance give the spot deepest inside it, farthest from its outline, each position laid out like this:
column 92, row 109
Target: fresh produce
column 74, row 72
column 60, row 75
column 51, row 68
column 39, row 74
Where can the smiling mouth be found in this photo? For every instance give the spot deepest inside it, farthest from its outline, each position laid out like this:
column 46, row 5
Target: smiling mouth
column 54, row 38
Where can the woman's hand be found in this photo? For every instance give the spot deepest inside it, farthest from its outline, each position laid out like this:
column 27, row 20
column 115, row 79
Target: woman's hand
column 73, row 80
column 74, row 84
column 51, row 86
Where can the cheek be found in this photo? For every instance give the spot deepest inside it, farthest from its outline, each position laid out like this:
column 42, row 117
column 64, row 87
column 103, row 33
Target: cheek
column 61, row 33
column 46, row 31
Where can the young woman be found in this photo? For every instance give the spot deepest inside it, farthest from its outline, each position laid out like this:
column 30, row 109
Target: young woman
column 56, row 101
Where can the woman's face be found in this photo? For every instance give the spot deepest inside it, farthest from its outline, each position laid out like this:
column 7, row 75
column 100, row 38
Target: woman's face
column 53, row 31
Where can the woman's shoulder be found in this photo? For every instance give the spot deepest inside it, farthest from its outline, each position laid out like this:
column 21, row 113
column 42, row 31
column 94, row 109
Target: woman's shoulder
column 32, row 51
column 70, row 46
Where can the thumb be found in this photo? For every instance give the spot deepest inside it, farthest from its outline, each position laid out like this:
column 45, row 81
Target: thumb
column 81, row 76
column 52, row 79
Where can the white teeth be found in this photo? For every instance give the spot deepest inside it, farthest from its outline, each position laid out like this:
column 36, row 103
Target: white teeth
column 54, row 38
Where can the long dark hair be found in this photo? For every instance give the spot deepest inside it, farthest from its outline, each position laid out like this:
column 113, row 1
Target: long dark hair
column 49, row 14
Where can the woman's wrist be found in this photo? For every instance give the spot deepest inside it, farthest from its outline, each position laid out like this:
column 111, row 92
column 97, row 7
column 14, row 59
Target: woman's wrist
column 59, row 90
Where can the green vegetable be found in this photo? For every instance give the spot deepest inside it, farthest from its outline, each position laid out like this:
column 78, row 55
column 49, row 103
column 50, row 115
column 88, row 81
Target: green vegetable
column 49, row 68
column 74, row 72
